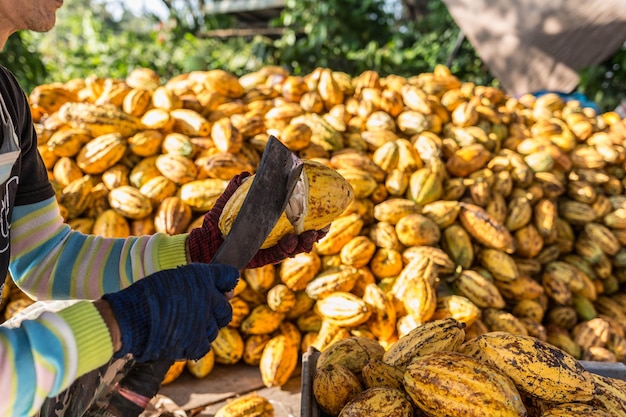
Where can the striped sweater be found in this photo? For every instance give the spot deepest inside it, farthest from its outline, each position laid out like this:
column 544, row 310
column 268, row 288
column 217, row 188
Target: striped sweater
column 44, row 356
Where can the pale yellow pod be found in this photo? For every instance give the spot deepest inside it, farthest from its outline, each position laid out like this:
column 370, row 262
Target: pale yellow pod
column 455, row 384
column 278, row 361
column 538, row 368
column 321, row 197
column 247, row 405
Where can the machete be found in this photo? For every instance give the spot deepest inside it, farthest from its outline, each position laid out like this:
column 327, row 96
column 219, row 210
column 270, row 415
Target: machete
column 273, row 183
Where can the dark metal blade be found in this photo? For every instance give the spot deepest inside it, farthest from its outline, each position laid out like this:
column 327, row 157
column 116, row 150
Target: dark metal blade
column 273, row 183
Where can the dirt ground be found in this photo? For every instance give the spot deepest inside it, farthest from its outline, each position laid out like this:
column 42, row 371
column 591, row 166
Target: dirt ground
column 203, row 397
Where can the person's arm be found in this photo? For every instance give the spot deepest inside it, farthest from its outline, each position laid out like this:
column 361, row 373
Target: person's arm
column 51, row 261
column 48, row 257
column 45, row 355
column 172, row 314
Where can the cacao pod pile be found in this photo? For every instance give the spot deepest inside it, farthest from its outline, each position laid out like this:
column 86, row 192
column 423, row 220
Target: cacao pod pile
column 507, row 214
column 431, row 371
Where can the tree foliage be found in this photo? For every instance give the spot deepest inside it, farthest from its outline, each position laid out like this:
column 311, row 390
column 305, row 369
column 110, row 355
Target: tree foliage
column 325, row 33
column 191, row 15
column 605, row 83
column 345, row 35
column 24, row 60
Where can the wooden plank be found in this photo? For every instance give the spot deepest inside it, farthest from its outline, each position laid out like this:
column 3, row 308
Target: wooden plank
column 242, row 32
column 237, row 6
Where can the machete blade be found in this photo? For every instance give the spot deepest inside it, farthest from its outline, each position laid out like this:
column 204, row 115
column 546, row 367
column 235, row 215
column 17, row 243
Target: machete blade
column 272, row 186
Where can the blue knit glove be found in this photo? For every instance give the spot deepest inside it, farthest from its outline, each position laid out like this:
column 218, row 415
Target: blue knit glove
column 174, row 314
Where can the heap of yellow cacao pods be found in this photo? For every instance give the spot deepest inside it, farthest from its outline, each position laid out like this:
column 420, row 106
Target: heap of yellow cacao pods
column 434, row 371
column 507, row 214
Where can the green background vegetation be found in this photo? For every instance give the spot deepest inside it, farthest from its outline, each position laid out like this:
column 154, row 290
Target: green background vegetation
column 345, row 35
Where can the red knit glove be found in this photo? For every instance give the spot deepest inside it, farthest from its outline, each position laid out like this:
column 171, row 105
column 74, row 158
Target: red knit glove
column 287, row 247
column 204, row 241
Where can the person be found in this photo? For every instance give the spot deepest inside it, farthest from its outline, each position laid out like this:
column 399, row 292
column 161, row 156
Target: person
column 49, row 261
column 170, row 314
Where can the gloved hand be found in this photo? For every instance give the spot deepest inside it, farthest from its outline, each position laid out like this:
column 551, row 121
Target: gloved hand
column 174, row 314
column 204, row 241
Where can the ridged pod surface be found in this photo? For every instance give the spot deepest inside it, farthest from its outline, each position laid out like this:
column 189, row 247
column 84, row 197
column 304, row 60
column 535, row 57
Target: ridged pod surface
column 451, row 384
column 379, row 402
column 101, row 153
column 343, row 309
column 382, row 321
column 377, row 373
column 610, row 395
column 576, row 409
column 261, row 320
column 99, row 120
column 485, row 229
column 278, row 361
column 342, row 230
column 250, row 405
column 202, row 367
column 538, row 368
column 435, row 336
column 354, row 353
column 334, row 385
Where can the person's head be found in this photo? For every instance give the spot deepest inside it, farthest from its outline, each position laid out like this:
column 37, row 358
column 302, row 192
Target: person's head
column 35, row 15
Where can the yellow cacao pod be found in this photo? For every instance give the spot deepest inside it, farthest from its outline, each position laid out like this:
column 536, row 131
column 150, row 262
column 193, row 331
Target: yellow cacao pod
column 203, row 366
column 247, row 405
column 177, row 168
column 173, row 372
column 298, row 271
column 101, row 153
column 111, row 224
column 451, row 383
column 261, row 320
column 379, row 402
column 253, row 348
column 334, row 386
column 76, row 196
column 343, row 309
column 99, row 120
column 322, row 196
column 68, row 142
column 377, row 373
column 278, row 361
column 538, row 368
column 228, row 346
column 353, row 352
column 172, row 216
column 130, row 202
column 201, row 195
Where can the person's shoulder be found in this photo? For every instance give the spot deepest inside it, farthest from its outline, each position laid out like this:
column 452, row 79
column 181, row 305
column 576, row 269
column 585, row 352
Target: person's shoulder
column 8, row 80
column 7, row 76
column 10, row 89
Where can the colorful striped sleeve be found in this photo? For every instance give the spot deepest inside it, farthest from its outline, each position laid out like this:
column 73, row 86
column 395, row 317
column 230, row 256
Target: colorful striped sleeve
column 49, row 260
column 43, row 356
